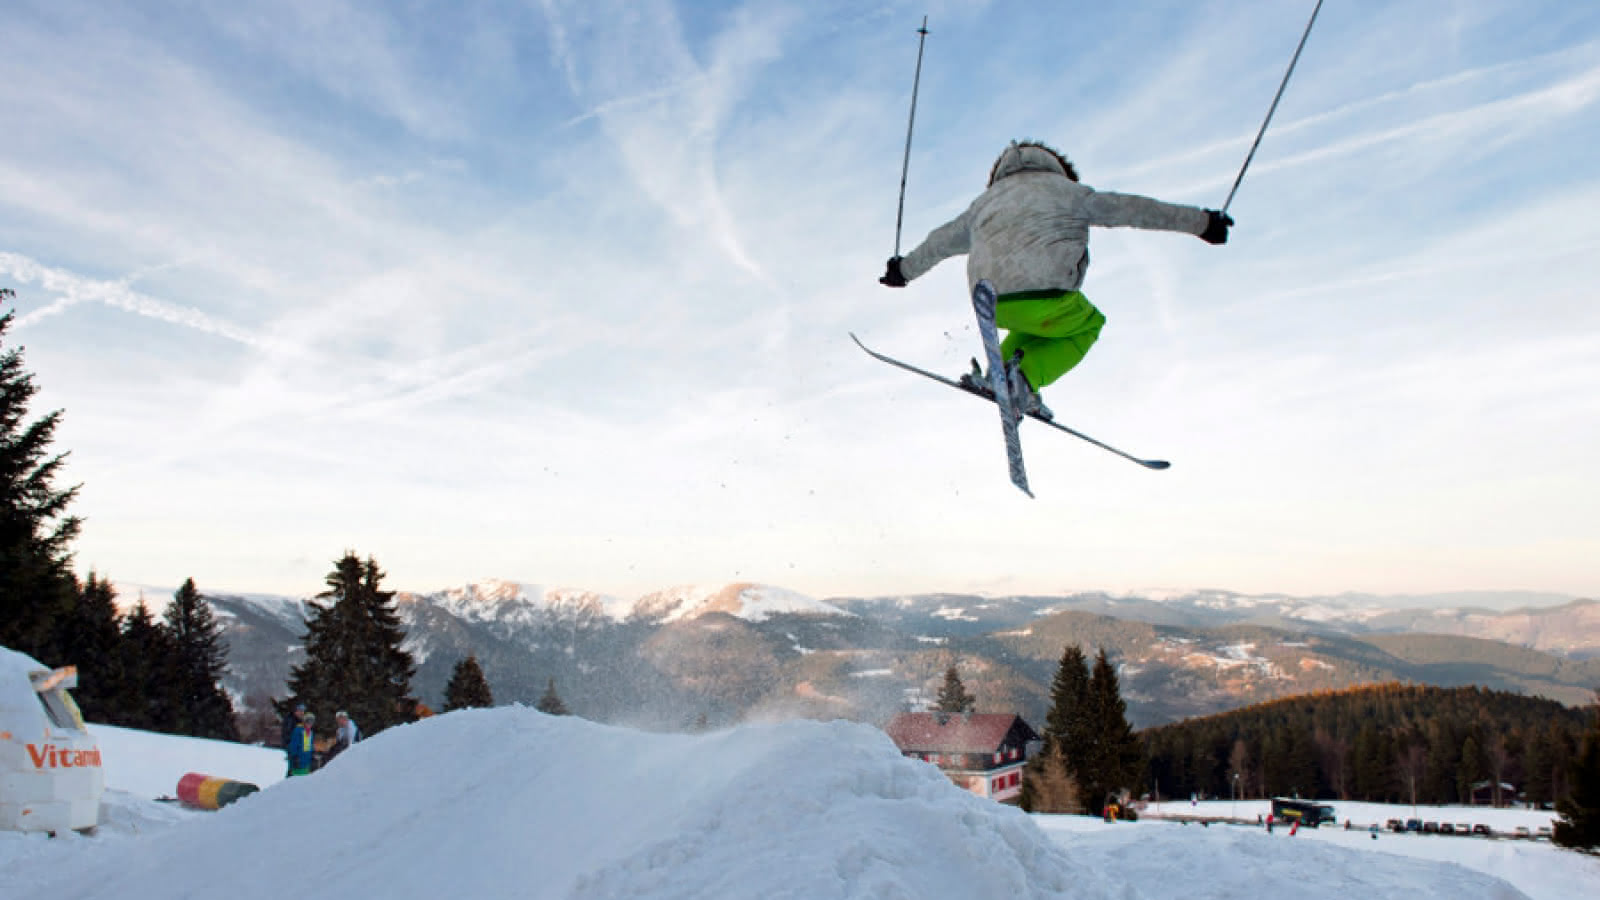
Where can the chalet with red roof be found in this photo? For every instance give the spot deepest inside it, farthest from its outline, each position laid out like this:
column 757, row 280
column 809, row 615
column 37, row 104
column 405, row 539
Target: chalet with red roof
column 982, row 752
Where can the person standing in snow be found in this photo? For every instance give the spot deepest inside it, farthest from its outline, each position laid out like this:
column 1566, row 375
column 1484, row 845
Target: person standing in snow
column 290, row 722
column 1028, row 235
column 302, row 752
column 343, row 736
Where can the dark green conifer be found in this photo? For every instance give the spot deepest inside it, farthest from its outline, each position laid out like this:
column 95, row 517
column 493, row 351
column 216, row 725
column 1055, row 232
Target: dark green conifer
column 1578, row 822
column 37, row 587
column 467, row 688
column 953, row 696
column 150, row 698
column 205, row 710
column 1116, row 757
column 354, row 659
column 90, row 638
column 551, row 702
column 1067, row 725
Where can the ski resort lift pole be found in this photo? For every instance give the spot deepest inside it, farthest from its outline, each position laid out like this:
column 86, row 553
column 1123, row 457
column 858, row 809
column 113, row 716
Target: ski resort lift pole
column 1270, row 110
column 905, row 166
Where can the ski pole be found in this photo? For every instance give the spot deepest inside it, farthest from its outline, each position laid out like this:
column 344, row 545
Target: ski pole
column 905, row 166
column 1273, row 108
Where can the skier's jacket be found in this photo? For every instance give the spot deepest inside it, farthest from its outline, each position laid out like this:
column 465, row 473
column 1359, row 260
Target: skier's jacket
column 290, row 723
column 301, row 752
column 1030, row 230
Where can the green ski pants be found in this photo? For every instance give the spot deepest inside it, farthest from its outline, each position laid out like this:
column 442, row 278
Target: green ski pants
column 1054, row 331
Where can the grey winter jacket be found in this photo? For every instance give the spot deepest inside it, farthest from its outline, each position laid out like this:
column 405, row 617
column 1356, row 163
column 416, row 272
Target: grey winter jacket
column 1030, row 230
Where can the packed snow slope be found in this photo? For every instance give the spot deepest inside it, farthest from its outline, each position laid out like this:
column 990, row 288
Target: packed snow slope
column 149, row 765
column 512, row 803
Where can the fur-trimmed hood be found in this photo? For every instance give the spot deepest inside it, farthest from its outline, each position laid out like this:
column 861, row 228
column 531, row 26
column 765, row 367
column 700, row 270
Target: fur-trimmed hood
column 1027, row 157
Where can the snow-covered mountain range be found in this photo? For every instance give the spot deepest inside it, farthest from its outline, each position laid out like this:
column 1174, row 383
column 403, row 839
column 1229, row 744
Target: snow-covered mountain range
column 723, row 652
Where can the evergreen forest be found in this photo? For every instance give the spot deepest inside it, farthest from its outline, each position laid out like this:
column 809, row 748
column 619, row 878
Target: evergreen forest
column 1386, row 743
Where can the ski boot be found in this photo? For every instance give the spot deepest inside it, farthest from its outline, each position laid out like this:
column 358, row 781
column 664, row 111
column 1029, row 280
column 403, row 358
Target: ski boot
column 1024, row 399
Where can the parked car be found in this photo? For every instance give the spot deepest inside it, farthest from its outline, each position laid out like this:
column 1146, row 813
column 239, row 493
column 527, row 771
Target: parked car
column 1414, row 825
column 1446, row 828
column 1430, row 827
column 1522, row 832
column 1484, row 830
column 1543, row 833
column 1463, row 828
column 1395, row 825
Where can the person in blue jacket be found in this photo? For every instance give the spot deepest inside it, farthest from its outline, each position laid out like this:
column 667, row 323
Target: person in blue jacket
column 290, row 722
column 302, row 755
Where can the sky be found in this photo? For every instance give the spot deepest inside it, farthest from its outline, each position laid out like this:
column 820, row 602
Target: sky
column 796, row 809
column 562, row 293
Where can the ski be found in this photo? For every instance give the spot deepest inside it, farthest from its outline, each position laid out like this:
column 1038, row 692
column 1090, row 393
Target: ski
column 983, row 304
column 1147, row 463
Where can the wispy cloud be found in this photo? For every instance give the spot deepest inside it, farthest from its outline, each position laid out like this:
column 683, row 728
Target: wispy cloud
column 72, row 290
column 559, row 291
column 668, row 136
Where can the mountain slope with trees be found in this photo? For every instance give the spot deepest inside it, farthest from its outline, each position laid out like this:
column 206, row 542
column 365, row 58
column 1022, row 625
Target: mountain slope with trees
column 1384, row 743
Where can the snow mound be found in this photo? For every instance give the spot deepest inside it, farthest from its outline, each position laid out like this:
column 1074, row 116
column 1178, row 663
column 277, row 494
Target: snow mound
column 510, row 802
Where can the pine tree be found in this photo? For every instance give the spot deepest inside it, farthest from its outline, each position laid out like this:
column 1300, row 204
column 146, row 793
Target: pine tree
column 467, row 688
column 1299, row 764
column 206, row 710
column 90, row 638
column 1374, row 770
column 1116, row 758
column 354, row 660
column 150, row 698
column 37, row 587
column 1539, row 768
column 953, row 696
column 1578, row 821
column 1067, row 724
column 1472, row 768
column 551, row 702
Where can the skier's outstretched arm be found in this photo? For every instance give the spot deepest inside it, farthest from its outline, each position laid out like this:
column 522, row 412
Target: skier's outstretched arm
column 950, row 239
column 1109, row 209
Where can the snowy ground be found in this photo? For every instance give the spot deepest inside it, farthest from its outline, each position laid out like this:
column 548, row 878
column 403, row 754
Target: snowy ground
column 510, row 802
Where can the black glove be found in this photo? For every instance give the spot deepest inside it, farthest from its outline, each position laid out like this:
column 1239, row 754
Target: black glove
column 891, row 275
column 1217, row 225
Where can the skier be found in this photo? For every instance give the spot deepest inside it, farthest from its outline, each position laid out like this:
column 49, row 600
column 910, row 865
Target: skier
column 1028, row 235
column 302, row 752
column 290, row 723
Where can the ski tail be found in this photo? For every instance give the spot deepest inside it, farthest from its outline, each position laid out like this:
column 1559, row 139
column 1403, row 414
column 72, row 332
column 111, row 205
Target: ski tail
column 984, row 300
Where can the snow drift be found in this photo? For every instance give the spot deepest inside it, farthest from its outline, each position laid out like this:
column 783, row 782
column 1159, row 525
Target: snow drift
column 511, row 802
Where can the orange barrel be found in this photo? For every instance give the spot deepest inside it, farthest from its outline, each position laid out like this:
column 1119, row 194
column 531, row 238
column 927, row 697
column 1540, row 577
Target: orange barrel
column 210, row 792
